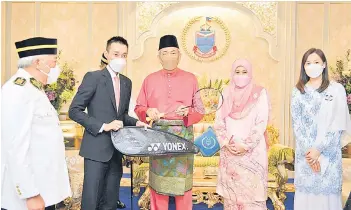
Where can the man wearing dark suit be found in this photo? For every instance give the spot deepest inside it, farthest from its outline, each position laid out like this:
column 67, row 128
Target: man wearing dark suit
column 106, row 95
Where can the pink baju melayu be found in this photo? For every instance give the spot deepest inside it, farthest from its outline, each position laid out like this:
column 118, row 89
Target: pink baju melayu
column 170, row 176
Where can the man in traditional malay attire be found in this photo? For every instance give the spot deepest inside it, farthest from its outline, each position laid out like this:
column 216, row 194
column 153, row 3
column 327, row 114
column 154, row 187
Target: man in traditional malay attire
column 169, row 91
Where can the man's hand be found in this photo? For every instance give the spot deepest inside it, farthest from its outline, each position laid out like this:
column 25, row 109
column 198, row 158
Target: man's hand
column 182, row 111
column 35, row 203
column 114, row 125
column 139, row 123
column 153, row 114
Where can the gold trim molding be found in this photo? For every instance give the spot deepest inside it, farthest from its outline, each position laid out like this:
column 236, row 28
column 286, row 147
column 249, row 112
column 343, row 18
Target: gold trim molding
column 265, row 11
column 146, row 12
column 137, row 50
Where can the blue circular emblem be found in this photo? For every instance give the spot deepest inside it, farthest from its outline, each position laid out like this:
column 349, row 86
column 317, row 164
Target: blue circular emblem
column 208, row 142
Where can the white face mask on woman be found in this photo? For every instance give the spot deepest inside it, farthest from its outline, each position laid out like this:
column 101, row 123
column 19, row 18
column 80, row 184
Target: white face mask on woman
column 314, row 70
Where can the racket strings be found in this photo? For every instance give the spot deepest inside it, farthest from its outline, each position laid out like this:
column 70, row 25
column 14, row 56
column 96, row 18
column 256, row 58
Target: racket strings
column 207, row 100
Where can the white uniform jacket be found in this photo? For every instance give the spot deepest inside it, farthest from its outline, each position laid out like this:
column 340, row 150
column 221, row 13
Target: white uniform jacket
column 32, row 145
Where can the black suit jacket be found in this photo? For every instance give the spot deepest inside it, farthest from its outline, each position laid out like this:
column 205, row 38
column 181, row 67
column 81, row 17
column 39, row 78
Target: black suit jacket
column 96, row 93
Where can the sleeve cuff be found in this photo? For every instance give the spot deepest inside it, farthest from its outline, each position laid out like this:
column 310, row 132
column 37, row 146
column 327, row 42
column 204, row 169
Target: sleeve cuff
column 324, row 163
column 27, row 189
column 141, row 112
column 28, row 194
column 319, row 148
column 102, row 128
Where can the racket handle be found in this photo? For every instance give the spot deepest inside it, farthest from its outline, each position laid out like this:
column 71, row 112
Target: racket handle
column 186, row 107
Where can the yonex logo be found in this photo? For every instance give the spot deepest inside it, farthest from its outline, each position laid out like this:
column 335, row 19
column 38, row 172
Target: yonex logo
column 167, row 147
column 154, row 146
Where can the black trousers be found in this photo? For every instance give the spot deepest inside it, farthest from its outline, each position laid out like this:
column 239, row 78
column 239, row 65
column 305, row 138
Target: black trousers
column 348, row 203
column 101, row 183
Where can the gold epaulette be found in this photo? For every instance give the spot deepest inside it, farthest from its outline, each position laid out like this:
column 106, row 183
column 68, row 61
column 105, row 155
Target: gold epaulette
column 20, row 81
column 36, row 83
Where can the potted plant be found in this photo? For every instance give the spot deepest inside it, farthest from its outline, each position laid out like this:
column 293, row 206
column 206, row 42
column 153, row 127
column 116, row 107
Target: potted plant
column 63, row 90
column 342, row 74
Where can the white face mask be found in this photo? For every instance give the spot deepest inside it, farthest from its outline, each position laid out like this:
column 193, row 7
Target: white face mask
column 53, row 75
column 117, row 64
column 314, row 70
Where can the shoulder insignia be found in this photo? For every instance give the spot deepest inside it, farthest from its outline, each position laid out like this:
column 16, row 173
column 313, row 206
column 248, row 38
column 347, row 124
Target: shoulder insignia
column 36, row 83
column 20, row 81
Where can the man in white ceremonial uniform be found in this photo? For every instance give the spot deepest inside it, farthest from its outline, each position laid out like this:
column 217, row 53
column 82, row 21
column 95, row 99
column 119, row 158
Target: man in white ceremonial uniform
column 34, row 173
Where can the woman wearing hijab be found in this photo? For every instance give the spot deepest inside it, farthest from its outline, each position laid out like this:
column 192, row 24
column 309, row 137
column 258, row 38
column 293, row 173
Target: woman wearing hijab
column 320, row 119
column 240, row 127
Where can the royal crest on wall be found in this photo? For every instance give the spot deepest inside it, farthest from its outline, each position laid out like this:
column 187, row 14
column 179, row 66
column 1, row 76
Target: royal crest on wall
column 205, row 41
column 205, row 38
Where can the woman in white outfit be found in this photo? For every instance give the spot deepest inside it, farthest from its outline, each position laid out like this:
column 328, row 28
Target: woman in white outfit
column 320, row 120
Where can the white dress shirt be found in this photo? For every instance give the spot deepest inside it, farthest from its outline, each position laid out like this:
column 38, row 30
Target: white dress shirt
column 131, row 103
column 113, row 75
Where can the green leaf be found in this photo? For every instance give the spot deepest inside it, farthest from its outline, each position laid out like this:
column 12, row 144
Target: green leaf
column 220, row 85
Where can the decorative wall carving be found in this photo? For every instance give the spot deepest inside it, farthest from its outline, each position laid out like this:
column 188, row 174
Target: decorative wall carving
column 146, row 12
column 265, row 11
column 254, row 14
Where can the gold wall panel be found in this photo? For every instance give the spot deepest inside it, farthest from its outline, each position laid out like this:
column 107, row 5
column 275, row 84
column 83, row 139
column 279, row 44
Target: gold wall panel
column 339, row 31
column 68, row 22
column 22, row 27
column 104, row 26
column 3, row 37
column 310, row 22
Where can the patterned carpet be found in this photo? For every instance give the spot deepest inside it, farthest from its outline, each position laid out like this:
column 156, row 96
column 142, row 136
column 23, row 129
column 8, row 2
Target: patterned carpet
column 125, row 197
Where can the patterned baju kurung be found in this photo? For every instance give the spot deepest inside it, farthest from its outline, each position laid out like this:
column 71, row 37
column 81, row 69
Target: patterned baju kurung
column 320, row 190
column 242, row 180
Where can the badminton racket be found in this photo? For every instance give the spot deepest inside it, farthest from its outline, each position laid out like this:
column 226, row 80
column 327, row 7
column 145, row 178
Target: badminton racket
column 205, row 101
